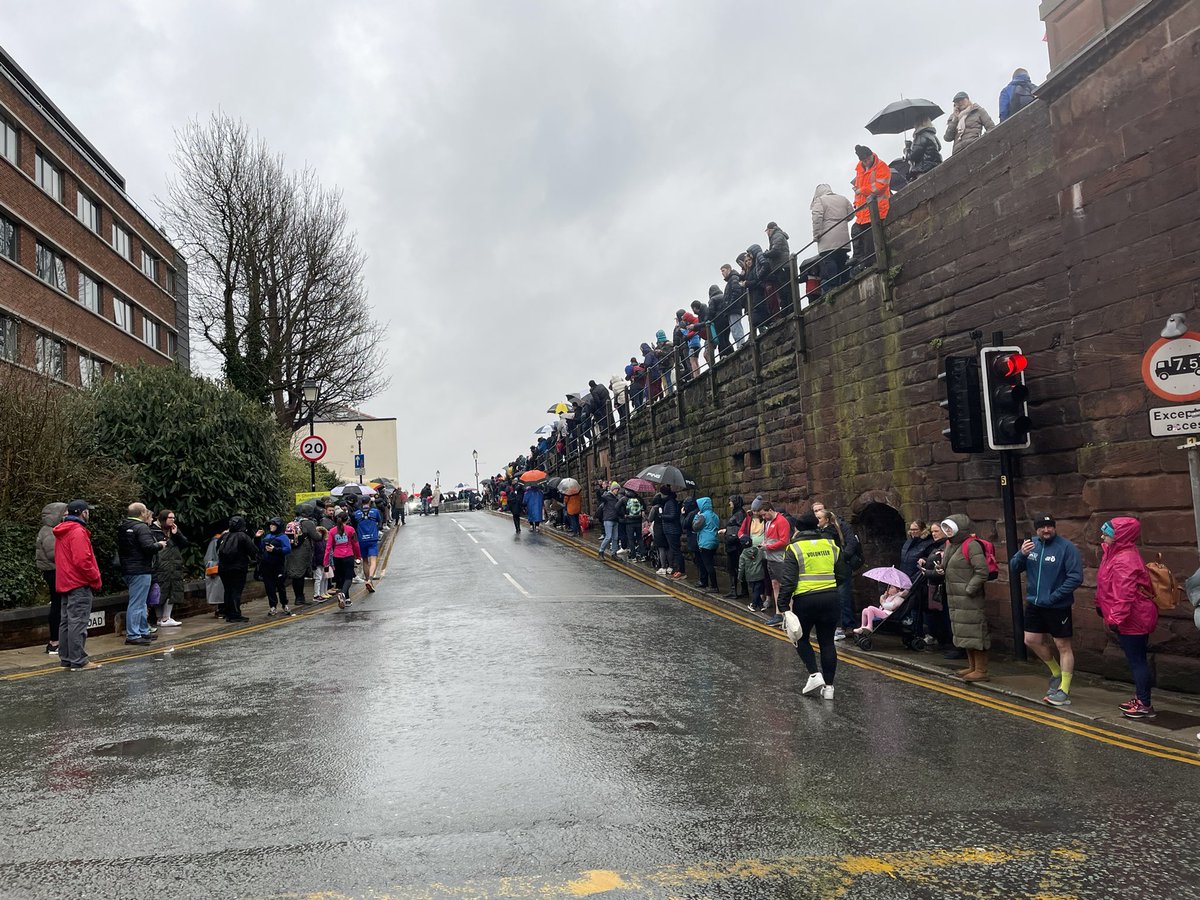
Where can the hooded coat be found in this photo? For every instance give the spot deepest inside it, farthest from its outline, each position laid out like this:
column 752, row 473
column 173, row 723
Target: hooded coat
column 620, row 389
column 650, row 361
column 925, row 152
column 831, row 215
column 964, row 580
column 304, row 550
column 534, row 504
column 236, row 549
column 271, row 562
column 734, row 292
column 52, row 514
column 733, row 525
column 1017, row 94
column 706, row 537
column 777, row 253
column 75, row 561
column 1123, row 593
column 716, row 301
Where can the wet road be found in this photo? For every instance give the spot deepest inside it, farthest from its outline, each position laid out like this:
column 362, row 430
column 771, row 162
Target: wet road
column 542, row 726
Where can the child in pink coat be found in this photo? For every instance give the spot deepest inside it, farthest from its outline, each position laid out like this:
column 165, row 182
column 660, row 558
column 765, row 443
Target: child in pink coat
column 889, row 602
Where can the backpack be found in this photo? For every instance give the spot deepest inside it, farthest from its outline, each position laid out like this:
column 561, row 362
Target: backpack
column 1164, row 588
column 1022, row 96
column 292, row 530
column 989, row 552
column 633, row 507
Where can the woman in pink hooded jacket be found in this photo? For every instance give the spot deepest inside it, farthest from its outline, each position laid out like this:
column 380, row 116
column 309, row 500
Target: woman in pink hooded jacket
column 1123, row 598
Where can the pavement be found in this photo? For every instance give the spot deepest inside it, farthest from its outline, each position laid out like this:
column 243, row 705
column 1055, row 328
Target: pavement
column 1094, row 699
column 506, row 717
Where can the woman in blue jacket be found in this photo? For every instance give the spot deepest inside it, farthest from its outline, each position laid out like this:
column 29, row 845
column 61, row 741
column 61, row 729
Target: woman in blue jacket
column 274, row 546
column 704, row 526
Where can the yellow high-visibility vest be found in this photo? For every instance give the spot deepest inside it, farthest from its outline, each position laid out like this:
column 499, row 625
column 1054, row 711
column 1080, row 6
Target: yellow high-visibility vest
column 815, row 558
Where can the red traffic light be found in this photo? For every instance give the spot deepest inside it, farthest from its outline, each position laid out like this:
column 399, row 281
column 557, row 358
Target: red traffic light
column 1009, row 365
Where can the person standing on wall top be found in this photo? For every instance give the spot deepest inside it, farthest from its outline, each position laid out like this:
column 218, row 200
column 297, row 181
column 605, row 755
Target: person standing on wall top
column 76, row 577
column 872, row 178
column 967, row 122
column 831, row 215
column 1053, row 569
column 1017, row 94
column 925, row 152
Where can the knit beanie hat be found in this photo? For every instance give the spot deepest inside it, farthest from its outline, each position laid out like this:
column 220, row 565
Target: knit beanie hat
column 949, row 526
column 756, row 504
column 660, row 335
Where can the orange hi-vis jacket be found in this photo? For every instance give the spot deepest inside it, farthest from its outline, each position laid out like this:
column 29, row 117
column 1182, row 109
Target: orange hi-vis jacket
column 875, row 180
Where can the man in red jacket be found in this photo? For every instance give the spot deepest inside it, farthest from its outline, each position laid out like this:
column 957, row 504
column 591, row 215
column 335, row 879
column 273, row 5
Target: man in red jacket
column 76, row 577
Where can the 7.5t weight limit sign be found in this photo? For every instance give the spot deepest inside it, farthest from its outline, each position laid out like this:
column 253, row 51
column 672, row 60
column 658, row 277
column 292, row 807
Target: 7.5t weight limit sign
column 313, row 448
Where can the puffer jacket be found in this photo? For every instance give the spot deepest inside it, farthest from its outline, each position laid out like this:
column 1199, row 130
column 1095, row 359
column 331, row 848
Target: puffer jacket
column 777, row 254
column 1123, row 593
column 914, row 548
column 964, row 581
column 831, row 214
column 925, row 152
column 690, row 508
column 136, row 547
column 620, row 389
column 706, row 537
column 716, row 301
column 975, row 121
column 733, row 525
column 734, row 292
column 43, row 556
column 609, row 507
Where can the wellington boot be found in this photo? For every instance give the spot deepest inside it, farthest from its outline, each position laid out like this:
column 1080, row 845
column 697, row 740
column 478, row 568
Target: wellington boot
column 963, row 673
column 981, row 667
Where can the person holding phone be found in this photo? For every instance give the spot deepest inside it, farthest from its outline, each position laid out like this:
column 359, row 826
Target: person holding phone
column 1053, row 570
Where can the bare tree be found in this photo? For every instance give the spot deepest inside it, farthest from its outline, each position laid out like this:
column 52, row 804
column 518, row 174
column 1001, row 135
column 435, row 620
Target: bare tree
column 275, row 273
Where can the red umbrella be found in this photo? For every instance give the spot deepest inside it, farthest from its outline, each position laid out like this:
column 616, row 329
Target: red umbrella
column 640, row 486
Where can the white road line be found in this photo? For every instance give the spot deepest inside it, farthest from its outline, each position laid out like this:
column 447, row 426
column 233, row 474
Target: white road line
column 513, row 582
column 460, row 525
column 488, row 555
column 471, row 536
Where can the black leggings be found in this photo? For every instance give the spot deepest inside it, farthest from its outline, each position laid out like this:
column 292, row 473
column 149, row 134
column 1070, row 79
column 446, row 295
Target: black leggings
column 706, row 562
column 676, row 553
column 821, row 611
column 343, row 573
column 732, row 558
column 55, row 617
column 298, row 588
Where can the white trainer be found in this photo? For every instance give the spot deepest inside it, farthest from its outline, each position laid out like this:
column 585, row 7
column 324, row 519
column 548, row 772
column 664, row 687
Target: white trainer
column 814, row 681
column 660, row 572
column 827, row 692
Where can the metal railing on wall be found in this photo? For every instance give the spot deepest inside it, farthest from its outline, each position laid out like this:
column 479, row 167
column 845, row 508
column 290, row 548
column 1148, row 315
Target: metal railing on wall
column 769, row 302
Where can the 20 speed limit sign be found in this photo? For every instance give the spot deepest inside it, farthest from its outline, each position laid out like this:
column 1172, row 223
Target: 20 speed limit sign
column 313, row 448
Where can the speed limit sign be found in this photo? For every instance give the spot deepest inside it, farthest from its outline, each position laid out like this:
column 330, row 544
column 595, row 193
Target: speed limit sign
column 313, row 448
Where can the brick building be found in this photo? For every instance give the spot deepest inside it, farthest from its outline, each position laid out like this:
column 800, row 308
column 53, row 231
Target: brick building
column 1074, row 227
column 86, row 279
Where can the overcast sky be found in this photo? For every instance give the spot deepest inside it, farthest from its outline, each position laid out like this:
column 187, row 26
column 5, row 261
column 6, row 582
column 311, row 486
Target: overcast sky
column 537, row 185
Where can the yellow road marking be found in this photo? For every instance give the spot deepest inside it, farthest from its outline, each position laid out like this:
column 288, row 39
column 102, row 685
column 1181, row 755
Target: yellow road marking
column 1032, row 714
column 201, row 641
column 828, row 875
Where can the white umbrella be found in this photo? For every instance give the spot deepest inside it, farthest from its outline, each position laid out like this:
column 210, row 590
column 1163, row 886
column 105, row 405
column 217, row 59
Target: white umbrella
column 544, row 431
column 363, row 489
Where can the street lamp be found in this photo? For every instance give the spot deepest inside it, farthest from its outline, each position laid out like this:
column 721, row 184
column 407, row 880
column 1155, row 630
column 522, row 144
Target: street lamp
column 437, row 478
column 311, row 391
column 358, row 433
column 475, row 454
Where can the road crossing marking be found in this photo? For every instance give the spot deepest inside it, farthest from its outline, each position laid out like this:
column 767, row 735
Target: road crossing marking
column 488, row 555
column 513, row 582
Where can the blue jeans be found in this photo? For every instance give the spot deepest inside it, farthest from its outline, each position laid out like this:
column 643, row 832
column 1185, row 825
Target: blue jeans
column 136, row 623
column 845, row 592
column 610, row 538
column 1134, row 646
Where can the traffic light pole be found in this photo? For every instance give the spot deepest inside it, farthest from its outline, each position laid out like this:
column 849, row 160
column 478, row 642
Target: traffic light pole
column 1008, row 496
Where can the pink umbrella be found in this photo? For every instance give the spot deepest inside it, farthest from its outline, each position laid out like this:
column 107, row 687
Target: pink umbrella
column 889, row 575
column 640, row 486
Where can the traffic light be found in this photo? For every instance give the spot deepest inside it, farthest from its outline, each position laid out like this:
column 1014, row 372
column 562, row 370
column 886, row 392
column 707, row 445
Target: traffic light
column 1005, row 397
column 963, row 404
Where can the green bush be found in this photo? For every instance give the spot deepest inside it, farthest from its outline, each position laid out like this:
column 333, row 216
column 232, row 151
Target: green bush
column 196, row 446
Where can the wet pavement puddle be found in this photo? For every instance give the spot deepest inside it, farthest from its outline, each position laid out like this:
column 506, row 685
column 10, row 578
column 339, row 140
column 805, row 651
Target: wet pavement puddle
column 145, row 746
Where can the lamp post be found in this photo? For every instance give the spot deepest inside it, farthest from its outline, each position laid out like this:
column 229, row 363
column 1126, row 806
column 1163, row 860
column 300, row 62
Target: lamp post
column 358, row 433
column 311, row 391
column 475, row 454
column 437, row 478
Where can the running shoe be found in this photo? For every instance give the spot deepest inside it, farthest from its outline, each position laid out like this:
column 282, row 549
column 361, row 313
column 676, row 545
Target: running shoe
column 839, row 634
column 170, row 623
column 1140, row 711
column 660, row 571
column 1057, row 697
column 775, row 620
column 51, row 651
column 1128, row 704
column 677, row 575
column 341, row 602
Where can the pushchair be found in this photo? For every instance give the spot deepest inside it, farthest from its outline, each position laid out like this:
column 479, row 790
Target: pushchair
column 906, row 620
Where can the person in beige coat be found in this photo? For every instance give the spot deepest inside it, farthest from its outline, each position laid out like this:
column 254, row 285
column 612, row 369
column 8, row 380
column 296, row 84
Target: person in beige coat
column 967, row 123
column 831, row 217
column 965, row 577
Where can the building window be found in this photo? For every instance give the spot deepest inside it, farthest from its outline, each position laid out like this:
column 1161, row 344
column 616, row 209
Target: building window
column 150, row 331
column 89, row 211
column 48, row 177
column 50, row 356
column 8, row 339
column 91, row 370
column 172, row 345
column 123, row 314
column 149, row 265
column 8, row 140
column 120, row 240
column 50, row 267
column 171, row 282
column 8, row 238
column 89, row 292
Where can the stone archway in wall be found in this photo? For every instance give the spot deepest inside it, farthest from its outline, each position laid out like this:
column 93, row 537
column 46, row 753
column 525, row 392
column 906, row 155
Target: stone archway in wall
column 880, row 526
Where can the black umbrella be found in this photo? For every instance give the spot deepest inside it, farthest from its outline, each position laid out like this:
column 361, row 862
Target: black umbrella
column 663, row 474
column 903, row 115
